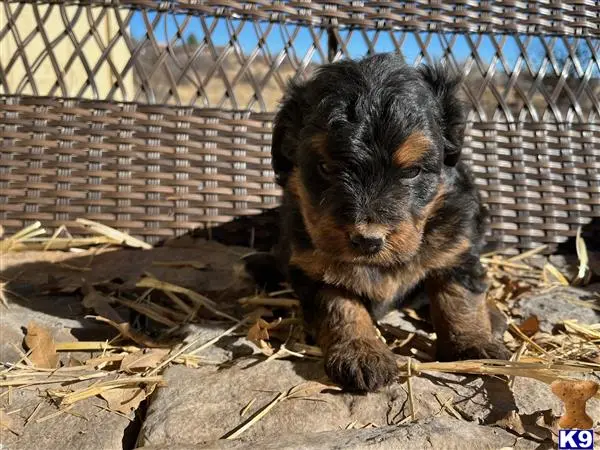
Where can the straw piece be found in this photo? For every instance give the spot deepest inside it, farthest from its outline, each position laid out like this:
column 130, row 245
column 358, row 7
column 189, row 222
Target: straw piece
column 33, row 413
column 93, row 346
column 247, row 407
column 180, row 303
column 268, row 301
column 53, row 415
column 29, row 232
column 539, row 370
column 447, row 405
column 309, row 350
column 411, row 399
column 552, row 272
column 505, row 263
column 528, row 253
column 116, row 235
column 25, row 381
column 237, row 431
column 148, row 311
column 92, row 391
column 126, row 330
column 54, row 236
column 193, row 264
column 194, row 342
column 151, row 282
column 588, row 331
column 584, row 273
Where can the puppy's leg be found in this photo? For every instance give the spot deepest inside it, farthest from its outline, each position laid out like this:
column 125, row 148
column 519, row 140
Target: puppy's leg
column 354, row 356
column 465, row 325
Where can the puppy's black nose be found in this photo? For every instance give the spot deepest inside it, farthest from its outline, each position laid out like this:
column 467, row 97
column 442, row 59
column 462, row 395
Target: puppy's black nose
column 366, row 244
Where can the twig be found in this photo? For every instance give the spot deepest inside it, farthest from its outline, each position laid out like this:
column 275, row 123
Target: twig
column 194, row 342
column 411, row 400
column 253, row 418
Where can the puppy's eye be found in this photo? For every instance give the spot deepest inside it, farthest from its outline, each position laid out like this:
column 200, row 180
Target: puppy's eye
column 410, row 173
column 324, row 169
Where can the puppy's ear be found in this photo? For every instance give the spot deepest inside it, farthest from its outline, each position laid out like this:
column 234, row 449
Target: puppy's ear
column 286, row 127
column 446, row 85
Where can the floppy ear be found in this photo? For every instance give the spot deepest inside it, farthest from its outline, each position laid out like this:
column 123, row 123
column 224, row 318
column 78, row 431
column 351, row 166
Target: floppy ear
column 446, row 85
column 286, row 127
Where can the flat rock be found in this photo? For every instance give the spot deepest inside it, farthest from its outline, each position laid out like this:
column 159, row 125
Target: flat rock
column 432, row 433
column 558, row 305
column 203, row 405
column 16, row 317
column 86, row 426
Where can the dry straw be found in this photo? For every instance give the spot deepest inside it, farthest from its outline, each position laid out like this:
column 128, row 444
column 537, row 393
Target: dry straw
column 119, row 364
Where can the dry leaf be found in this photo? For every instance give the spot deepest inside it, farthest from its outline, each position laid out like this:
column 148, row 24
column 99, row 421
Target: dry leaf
column 7, row 423
column 541, row 425
column 530, row 326
column 143, row 359
column 124, row 400
column 259, row 331
column 100, row 304
column 43, row 350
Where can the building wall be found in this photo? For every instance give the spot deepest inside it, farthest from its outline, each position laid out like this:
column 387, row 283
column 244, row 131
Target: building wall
column 49, row 36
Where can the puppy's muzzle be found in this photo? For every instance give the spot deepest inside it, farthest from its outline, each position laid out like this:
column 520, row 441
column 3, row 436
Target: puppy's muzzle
column 368, row 239
column 366, row 245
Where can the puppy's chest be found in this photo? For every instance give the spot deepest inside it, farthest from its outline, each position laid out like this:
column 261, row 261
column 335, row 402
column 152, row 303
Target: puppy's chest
column 376, row 284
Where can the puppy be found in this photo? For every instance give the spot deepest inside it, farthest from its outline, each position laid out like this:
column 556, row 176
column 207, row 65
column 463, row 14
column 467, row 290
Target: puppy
column 377, row 202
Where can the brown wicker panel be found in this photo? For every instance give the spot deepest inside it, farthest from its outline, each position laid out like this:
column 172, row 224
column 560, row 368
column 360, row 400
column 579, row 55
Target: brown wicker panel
column 578, row 17
column 157, row 171
column 106, row 115
column 237, row 62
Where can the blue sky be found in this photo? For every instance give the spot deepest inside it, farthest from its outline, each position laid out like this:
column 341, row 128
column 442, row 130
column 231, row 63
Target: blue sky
column 167, row 25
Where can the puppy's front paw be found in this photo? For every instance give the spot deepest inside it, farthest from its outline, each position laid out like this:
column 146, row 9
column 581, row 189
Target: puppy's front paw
column 361, row 365
column 475, row 348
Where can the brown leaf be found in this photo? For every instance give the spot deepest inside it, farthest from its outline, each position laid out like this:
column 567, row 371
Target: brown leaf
column 530, row 326
column 124, row 400
column 100, row 304
column 259, row 331
column 541, row 425
column 7, row 423
column 40, row 342
column 143, row 359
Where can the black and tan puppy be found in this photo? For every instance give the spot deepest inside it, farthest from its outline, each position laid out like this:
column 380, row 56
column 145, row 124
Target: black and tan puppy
column 376, row 203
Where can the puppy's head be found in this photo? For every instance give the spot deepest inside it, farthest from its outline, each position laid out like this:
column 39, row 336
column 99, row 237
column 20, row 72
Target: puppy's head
column 367, row 147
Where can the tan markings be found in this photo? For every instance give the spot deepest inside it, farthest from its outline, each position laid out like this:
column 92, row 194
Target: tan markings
column 412, row 150
column 334, row 263
column 322, row 228
column 407, row 238
column 390, row 284
column 319, row 144
column 371, row 230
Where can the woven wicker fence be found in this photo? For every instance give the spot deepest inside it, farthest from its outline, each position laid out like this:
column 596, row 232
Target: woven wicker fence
column 155, row 116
